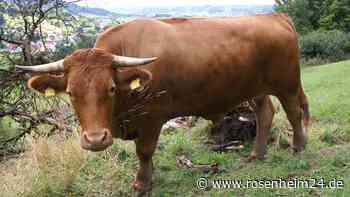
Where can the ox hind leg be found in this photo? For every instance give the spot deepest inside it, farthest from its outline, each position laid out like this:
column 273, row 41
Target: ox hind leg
column 296, row 108
column 264, row 111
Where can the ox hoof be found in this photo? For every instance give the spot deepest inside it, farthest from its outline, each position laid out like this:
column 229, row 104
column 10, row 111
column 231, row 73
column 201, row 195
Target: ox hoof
column 142, row 189
column 296, row 149
column 251, row 158
column 143, row 193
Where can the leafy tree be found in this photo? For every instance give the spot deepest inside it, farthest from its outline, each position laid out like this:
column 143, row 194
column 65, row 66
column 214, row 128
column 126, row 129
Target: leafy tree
column 336, row 15
column 311, row 15
column 305, row 13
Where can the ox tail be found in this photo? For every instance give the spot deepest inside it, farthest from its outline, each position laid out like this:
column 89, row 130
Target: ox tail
column 304, row 104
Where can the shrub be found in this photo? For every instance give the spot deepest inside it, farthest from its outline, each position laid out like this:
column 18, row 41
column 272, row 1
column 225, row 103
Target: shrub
column 327, row 46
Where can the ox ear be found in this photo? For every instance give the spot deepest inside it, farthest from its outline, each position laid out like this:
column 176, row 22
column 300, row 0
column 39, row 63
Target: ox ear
column 133, row 78
column 48, row 84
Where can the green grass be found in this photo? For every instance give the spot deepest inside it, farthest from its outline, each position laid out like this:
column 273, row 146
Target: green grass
column 110, row 173
column 328, row 89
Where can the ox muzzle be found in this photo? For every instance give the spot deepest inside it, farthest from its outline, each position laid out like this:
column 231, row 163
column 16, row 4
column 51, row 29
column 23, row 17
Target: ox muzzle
column 96, row 140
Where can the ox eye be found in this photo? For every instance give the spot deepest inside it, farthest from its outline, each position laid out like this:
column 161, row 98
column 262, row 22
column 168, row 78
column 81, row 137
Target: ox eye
column 112, row 89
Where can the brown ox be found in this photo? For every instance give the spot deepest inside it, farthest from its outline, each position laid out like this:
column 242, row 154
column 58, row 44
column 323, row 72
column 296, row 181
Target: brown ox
column 206, row 65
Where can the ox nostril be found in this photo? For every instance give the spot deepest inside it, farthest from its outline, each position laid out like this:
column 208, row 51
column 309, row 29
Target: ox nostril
column 86, row 138
column 104, row 136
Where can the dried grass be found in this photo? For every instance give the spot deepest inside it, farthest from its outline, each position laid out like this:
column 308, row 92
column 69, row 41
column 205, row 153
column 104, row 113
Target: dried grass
column 48, row 168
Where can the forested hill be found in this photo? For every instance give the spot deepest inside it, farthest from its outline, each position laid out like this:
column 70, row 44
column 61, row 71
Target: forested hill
column 83, row 10
column 172, row 11
column 159, row 11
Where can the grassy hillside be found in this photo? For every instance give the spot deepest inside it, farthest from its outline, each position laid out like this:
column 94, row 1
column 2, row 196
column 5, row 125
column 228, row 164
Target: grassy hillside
column 58, row 167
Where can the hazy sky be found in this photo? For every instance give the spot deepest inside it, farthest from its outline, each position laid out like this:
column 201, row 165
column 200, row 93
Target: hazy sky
column 142, row 3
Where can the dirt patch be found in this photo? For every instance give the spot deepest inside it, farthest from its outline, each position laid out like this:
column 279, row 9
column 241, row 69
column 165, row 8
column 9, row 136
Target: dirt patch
column 237, row 127
column 329, row 151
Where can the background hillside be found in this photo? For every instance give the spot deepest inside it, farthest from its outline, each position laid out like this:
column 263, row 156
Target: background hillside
column 173, row 11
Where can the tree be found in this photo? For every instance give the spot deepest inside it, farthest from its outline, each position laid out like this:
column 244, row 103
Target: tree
column 305, row 13
column 24, row 21
column 310, row 15
column 22, row 26
column 336, row 15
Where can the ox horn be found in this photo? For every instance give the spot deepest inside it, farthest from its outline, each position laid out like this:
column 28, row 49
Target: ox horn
column 50, row 67
column 122, row 61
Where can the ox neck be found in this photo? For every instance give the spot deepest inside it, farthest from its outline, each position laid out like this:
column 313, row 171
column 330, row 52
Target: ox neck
column 132, row 108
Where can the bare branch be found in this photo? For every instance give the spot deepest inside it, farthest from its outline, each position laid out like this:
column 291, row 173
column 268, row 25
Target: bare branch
column 16, row 101
column 10, row 41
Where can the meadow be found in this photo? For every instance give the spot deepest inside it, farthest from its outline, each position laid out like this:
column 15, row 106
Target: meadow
column 57, row 166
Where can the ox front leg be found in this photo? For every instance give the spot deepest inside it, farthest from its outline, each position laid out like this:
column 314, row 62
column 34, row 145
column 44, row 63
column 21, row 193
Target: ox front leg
column 264, row 111
column 145, row 147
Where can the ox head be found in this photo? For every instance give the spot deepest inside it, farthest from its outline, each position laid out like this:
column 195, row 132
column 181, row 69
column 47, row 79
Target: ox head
column 92, row 79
